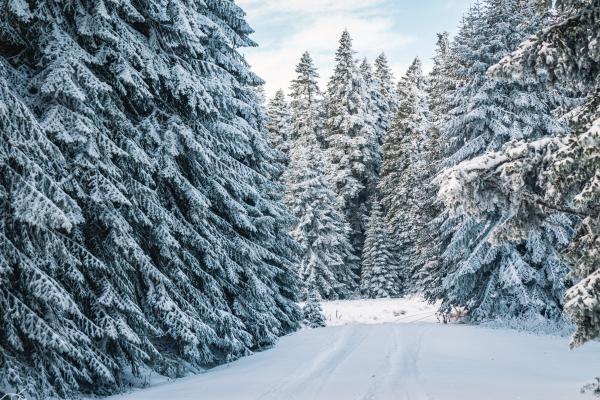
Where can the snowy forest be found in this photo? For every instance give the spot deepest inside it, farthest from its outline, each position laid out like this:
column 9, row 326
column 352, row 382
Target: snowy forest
column 160, row 215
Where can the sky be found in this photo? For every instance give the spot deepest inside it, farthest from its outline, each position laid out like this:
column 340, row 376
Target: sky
column 403, row 29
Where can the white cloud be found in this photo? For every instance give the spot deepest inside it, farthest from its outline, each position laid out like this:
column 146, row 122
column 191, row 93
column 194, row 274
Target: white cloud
column 261, row 7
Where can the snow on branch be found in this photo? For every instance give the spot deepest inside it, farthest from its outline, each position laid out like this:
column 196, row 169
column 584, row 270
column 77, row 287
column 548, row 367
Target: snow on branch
column 501, row 183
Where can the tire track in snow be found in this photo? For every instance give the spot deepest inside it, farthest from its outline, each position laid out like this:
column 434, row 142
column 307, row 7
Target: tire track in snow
column 410, row 374
column 384, row 371
column 398, row 376
column 319, row 370
column 323, row 378
column 413, row 388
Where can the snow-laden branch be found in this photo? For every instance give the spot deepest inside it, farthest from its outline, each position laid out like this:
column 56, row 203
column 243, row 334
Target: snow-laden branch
column 494, row 181
column 511, row 181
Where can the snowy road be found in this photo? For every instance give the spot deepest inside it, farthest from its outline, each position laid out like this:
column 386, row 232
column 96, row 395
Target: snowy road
column 399, row 361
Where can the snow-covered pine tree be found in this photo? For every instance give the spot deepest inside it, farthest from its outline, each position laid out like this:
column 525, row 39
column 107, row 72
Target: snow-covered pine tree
column 261, row 94
column 308, row 117
column 380, row 276
column 48, row 341
column 385, row 97
column 65, row 314
column 327, row 262
column 405, row 170
column 312, row 311
column 366, row 70
column 279, row 126
column 350, row 129
column 497, row 277
column 461, row 71
column 543, row 176
column 373, row 145
column 499, row 33
column 167, row 246
column 439, row 80
column 575, row 169
column 410, row 83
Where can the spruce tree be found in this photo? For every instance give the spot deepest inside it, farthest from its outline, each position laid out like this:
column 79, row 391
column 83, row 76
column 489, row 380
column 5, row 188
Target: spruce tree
column 48, row 341
column 405, row 170
column 540, row 177
column 380, row 276
column 385, row 97
column 461, row 71
column 312, row 312
column 439, row 86
column 575, row 170
column 439, row 80
column 373, row 145
column 491, row 276
column 307, row 113
column 279, row 126
column 151, row 235
column 327, row 261
column 350, row 130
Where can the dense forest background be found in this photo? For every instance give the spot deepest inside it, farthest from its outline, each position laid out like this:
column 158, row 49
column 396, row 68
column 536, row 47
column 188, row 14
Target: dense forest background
column 451, row 184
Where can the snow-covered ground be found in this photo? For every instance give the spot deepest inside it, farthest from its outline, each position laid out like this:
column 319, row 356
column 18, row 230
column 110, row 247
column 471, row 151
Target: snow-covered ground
column 395, row 349
column 344, row 312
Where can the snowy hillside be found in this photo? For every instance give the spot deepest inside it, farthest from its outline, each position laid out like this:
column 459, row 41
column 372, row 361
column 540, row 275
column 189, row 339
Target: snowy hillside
column 357, row 358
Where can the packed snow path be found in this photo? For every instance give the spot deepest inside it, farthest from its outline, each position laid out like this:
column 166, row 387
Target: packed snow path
column 412, row 358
